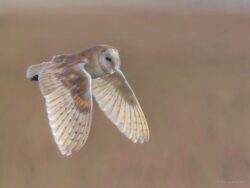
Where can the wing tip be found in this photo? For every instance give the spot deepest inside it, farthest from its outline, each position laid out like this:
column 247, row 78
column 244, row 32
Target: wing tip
column 33, row 71
column 64, row 152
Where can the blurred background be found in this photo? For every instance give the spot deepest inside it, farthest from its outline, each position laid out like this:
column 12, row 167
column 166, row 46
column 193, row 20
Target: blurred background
column 189, row 64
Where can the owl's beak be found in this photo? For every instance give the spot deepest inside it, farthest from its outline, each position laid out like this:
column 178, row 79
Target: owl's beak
column 116, row 69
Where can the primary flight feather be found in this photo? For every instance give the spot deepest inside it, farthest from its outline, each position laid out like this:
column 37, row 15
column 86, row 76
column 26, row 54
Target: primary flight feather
column 68, row 83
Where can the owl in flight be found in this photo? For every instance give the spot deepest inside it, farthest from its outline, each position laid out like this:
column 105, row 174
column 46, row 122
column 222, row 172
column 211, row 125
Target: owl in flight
column 68, row 83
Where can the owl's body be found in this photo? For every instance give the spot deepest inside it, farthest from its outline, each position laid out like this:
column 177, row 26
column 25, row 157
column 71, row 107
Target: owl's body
column 68, row 84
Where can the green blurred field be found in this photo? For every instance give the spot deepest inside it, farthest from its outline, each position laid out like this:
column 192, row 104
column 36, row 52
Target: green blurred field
column 190, row 71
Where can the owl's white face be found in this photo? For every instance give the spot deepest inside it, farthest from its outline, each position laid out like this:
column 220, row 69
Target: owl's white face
column 109, row 60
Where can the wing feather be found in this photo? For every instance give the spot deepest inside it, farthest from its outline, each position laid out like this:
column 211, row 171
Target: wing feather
column 116, row 98
column 131, row 124
column 67, row 92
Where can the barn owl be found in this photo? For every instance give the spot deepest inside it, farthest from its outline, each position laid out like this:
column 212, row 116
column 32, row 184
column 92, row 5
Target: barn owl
column 70, row 82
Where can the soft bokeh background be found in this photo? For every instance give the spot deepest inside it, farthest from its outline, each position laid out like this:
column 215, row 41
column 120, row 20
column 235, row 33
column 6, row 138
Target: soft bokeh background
column 189, row 64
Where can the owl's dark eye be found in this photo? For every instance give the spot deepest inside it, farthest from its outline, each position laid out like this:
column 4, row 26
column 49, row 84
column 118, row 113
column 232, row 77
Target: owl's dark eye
column 109, row 59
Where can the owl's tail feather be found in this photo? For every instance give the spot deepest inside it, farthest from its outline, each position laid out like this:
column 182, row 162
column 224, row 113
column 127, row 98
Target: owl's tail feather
column 33, row 71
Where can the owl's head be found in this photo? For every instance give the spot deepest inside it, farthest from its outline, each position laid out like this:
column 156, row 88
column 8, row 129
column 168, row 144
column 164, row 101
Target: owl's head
column 102, row 60
column 109, row 60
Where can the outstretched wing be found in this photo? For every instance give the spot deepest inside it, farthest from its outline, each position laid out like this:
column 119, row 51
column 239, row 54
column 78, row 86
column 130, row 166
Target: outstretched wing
column 66, row 88
column 116, row 98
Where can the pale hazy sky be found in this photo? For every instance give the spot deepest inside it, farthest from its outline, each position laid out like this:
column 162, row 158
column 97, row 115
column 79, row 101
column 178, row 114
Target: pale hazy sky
column 211, row 4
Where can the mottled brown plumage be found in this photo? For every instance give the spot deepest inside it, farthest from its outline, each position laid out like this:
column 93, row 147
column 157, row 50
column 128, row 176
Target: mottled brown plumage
column 77, row 83
column 68, row 83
